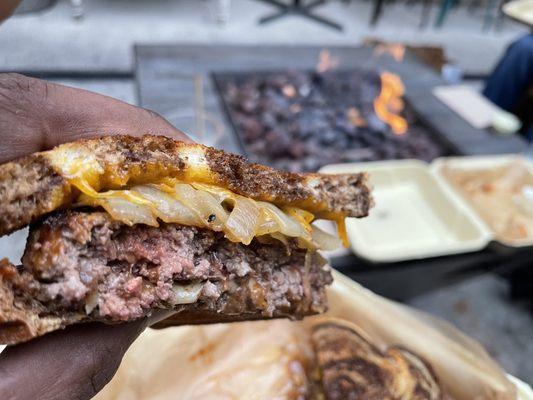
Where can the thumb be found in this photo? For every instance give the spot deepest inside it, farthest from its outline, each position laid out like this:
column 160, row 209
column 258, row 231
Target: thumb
column 36, row 115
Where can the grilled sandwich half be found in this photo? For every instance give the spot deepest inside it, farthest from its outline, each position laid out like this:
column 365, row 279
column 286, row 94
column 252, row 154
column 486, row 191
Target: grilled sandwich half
column 121, row 226
column 351, row 367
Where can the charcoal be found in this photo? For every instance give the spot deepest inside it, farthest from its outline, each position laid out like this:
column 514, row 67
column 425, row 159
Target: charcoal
column 297, row 149
column 268, row 120
column 302, row 120
column 376, row 124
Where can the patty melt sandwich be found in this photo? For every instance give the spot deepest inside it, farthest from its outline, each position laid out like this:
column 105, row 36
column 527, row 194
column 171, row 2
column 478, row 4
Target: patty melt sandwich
column 121, row 226
column 350, row 366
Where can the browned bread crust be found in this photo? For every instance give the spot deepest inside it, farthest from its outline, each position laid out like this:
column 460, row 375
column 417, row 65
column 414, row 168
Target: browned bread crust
column 352, row 367
column 29, row 187
column 37, row 184
column 21, row 317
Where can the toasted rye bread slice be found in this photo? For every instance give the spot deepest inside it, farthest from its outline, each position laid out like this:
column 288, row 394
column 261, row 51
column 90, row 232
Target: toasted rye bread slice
column 42, row 182
column 23, row 318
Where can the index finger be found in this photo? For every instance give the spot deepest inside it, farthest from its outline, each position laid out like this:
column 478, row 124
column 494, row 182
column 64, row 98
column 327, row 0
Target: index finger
column 37, row 115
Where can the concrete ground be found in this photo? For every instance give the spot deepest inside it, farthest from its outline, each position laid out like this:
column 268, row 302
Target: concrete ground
column 481, row 308
column 103, row 39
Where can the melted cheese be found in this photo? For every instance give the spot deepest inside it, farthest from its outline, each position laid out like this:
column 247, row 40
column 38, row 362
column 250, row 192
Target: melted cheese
column 113, row 188
column 202, row 205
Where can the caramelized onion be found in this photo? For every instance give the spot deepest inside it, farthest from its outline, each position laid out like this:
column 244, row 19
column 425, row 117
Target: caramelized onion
column 282, row 238
column 203, row 204
column 91, row 302
column 285, row 224
column 197, row 204
column 167, row 207
column 323, row 240
column 243, row 220
column 123, row 210
column 302, row 216
column 187, row 294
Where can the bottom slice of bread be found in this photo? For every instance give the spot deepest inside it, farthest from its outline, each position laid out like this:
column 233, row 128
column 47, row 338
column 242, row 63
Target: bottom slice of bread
column 83, row 266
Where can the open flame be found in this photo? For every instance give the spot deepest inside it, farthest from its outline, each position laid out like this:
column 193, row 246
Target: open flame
column 389, row 104
column 288, row 90
column 355, row 117
column 396, row 50
column 326, row 62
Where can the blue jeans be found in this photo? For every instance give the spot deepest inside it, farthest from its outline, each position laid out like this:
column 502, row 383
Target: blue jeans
column 512, row 77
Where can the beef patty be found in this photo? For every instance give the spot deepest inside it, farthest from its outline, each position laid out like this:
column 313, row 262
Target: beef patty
column 88, row 263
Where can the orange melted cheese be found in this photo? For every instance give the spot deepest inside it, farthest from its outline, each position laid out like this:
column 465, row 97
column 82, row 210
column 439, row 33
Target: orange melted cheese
column 86, row 174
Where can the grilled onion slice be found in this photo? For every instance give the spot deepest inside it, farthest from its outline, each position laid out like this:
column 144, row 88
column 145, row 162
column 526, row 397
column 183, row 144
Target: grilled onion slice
column 196, row 204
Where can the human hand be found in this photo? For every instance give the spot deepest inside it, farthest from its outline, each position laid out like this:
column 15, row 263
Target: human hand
column 7, row 7
column 36, row 115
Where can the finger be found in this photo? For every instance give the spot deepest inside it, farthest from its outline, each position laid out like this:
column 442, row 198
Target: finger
column 72, row 364
column 7, row 7
column 36, row 115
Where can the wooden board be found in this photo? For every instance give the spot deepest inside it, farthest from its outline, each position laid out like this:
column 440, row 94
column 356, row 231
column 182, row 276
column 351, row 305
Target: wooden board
column 475, row 109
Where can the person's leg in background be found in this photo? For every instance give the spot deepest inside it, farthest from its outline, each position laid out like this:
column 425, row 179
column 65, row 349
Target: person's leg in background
column 512, row 77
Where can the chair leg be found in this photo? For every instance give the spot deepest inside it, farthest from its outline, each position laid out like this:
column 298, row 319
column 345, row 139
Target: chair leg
column 223, row 11
column 488, row 21
column 501, row 15
column 426, row 11
column 378, row 9
column 445, row 7
column 77, row 9
column 271, row 17
column 305, row 12
column 298, row 7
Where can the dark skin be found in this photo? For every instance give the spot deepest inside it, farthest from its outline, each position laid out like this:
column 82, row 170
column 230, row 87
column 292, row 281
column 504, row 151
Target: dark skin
column 36, row 115
column 7, row 7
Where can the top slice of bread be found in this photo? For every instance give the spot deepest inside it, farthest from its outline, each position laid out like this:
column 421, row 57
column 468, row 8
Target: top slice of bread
column 42, row 182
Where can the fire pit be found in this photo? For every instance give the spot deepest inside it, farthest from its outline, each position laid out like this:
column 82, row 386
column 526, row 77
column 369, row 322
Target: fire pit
column 302, row 120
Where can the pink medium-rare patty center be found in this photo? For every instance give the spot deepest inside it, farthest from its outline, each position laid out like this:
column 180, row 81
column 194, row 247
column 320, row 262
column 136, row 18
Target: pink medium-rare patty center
column 114, row 271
